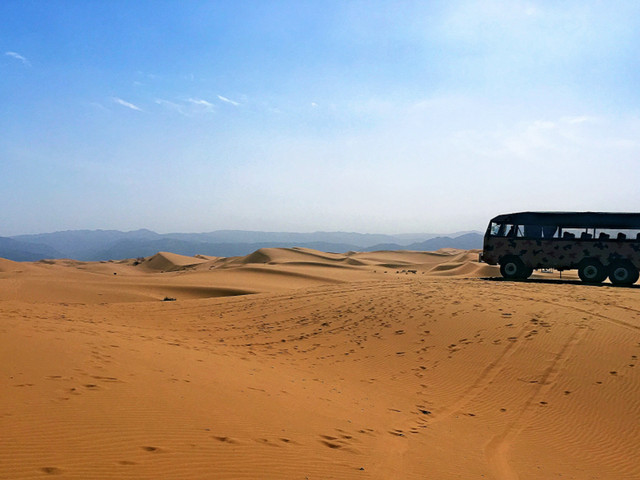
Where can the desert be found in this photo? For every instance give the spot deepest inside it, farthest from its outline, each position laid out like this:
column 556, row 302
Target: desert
column 300, row 364
column 320, row 240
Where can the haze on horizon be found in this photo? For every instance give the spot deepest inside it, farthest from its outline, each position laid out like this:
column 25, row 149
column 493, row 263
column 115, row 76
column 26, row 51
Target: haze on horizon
column 368, row 116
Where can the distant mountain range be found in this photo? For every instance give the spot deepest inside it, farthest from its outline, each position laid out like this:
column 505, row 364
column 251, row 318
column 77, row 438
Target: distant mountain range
column 95, row 245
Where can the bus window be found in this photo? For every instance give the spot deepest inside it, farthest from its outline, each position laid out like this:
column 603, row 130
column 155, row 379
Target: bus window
column 572, row 233
column 549, row 231
column 498, row 229
column 533, row 231
column 622, row 233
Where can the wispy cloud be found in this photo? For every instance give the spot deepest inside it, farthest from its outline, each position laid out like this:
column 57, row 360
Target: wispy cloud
column 17, row 56
column 171, row 106
column 126, row 104
column 98, row 106
column 580, row 119
column 188, row 107
column 228, row 100
column 199, row 101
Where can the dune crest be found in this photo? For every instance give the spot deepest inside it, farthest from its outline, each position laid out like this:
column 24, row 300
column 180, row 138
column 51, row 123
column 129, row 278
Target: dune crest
column 166, row 261
column 9, row 265
column 173, row 275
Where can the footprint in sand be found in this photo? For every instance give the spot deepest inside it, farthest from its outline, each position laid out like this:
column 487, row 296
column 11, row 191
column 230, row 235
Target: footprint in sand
column 151, row 449
column 329, row 444
column 106, row 379
column 265, row 441
column 224, row 439
column 51, row 470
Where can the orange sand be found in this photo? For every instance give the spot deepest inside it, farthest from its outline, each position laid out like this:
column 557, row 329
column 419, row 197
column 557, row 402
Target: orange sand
column 297, row 364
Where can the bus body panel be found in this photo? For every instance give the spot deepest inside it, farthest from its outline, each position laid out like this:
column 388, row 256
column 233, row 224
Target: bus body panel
column 560, row 254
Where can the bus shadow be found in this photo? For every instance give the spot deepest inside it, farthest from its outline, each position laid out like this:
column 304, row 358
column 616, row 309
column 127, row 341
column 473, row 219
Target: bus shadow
column 556, row 281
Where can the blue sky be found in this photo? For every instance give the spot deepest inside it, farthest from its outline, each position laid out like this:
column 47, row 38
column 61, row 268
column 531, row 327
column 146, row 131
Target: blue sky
column 370, row 116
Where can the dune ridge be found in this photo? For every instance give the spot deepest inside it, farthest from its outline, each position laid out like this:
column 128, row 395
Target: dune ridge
column 172, row 275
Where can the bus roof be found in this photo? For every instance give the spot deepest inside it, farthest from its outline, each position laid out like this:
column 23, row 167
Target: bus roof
column 572, row 219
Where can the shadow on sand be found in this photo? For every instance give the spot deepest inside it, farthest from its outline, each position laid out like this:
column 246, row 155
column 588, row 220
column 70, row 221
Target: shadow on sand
column 556, row 281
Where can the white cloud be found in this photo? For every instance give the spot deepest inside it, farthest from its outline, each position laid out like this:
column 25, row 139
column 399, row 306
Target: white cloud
column 580, row 119
column 188, row 107
column 18, row 57
column 171, row 106
column 126, row 104
column 199, row 101
column 227, row 100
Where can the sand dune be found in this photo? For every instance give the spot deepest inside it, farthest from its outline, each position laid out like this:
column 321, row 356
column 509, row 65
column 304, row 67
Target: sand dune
column 165, row 261
column 9, row 265
column 278, row 365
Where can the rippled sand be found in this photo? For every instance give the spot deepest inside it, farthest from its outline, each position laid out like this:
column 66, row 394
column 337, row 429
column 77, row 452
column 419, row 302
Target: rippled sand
column 297, row 364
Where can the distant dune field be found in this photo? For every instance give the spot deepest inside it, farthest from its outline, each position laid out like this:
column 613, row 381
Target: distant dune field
column 300, row 364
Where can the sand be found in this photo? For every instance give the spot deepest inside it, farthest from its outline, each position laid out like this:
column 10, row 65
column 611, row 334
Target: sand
column 297, row 364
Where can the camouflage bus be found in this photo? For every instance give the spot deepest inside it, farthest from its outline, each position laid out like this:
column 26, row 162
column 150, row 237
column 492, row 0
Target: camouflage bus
column 599, row 245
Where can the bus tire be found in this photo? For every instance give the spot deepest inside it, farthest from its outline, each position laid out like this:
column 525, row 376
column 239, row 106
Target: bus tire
column 512, row 268
column 527, row 272
column 592, row 271
column 623, row 273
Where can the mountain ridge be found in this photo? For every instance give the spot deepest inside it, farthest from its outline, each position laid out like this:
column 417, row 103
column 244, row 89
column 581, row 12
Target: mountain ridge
column 98, row 245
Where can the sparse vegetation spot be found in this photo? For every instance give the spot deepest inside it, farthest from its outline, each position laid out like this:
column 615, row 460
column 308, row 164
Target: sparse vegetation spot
column 168, row 299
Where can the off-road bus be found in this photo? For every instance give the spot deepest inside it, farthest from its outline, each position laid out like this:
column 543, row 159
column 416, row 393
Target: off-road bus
column 598, row 244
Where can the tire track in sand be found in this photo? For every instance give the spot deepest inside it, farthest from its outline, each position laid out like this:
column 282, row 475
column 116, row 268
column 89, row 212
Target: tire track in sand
column 486, row 377
column 392, row 462
column 615, row 321
column 497, row 450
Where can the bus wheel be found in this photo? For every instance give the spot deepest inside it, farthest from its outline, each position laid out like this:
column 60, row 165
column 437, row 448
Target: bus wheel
column 592, row 271
column 527, row 272
column 623, row 273
column 512, row 268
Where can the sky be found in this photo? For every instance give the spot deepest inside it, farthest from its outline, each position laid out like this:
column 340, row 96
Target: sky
column 367, row 116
